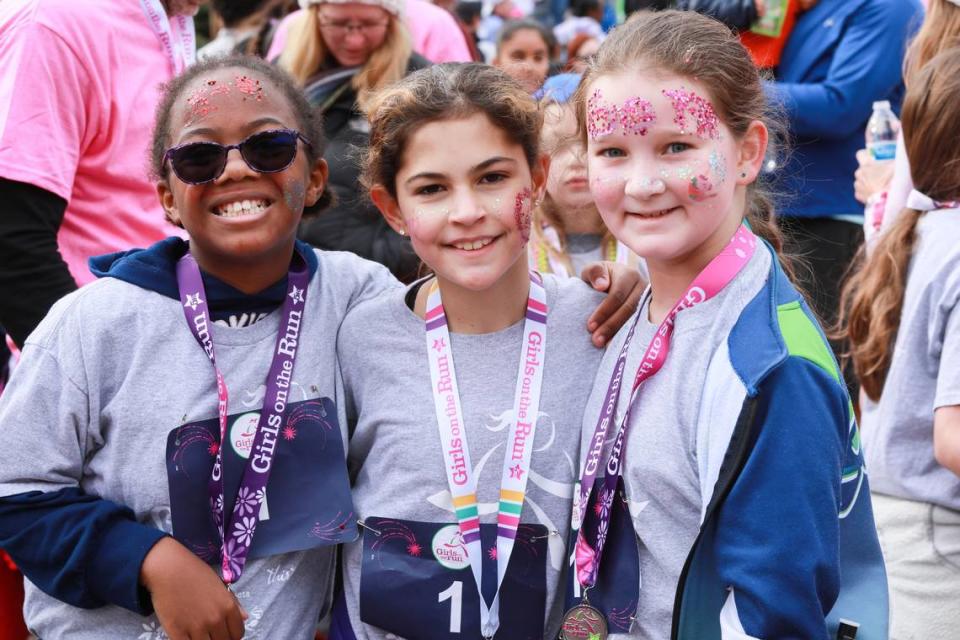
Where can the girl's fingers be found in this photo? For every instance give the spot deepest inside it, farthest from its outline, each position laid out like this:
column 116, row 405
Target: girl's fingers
column 624, row 290
column 619, row 316
column 235, row 627
column 597, row 276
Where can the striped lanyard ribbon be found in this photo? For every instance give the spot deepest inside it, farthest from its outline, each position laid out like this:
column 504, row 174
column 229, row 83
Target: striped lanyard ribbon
column 453, row 437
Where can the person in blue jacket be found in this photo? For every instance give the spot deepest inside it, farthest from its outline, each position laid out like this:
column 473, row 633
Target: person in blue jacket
column 842, row 56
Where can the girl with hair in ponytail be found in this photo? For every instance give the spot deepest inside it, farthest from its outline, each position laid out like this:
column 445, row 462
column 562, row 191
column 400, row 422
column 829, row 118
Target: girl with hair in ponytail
column 902, row 313
column 722, row 492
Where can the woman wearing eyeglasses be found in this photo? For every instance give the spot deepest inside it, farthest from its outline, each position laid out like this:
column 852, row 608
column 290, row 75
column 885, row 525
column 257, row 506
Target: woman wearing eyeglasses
column 340, row 52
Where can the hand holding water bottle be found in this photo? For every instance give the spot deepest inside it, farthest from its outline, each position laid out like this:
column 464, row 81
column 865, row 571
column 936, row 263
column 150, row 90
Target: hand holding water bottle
column 876, row 161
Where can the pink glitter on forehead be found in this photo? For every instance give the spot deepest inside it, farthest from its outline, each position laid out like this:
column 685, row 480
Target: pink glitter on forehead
column 199, row 103
column 636, row 114
column 248, row 86
column 601, row 117
column 604, row 118
column 689, row 103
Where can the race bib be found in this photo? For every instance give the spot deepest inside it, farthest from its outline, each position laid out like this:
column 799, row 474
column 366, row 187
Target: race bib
column 416, row 581
column 309, row 462
column 617, row 591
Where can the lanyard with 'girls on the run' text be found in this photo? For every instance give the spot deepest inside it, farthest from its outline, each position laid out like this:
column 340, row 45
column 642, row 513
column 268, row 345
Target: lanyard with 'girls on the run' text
column 236, row 534
column 453, row 437
column 180, row 52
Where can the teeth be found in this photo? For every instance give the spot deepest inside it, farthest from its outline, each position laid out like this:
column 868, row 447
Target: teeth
column 473, row 246
column 655, row 214
column 241, row 208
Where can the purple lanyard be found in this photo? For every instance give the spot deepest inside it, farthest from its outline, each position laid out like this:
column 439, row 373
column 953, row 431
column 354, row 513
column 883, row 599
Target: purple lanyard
column 715, row 276
column 246, row 511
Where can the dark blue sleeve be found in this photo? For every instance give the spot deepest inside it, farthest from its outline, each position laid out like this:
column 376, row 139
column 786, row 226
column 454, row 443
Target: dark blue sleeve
column 777, row 542
column 78, row 548
column 866, row 66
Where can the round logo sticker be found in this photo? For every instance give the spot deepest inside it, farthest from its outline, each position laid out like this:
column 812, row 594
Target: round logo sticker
column 448, row 548
column 242, row 432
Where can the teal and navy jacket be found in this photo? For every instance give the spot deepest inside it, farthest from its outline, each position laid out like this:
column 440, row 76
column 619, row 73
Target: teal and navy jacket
column 787, row 545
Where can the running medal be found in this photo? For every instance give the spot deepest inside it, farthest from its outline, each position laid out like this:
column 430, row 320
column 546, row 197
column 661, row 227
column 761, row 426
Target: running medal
column 583, row 622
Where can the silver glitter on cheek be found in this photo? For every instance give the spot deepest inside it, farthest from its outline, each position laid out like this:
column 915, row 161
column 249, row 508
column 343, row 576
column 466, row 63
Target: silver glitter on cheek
column 718, row 164
column 665, row 174
column 684, row 172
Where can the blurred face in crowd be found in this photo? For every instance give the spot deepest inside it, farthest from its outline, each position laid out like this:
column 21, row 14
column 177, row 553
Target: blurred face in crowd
column 589, row 48
column 567, row 179
column 182, row 7
column 352, row 32
column 524, row 57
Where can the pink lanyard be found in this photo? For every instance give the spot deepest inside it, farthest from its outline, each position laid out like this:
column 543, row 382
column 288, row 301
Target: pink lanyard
column 181, row 53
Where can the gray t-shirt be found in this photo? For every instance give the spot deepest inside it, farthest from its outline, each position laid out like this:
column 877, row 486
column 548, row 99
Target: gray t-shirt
column 924, row 372
column 661, row 477
column 113, row 372
column 395, row 455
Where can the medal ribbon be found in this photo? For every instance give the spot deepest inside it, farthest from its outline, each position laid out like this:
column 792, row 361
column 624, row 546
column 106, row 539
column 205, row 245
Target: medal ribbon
column 236, row 535
column 181, row 52
column 453, row 437
column 708, row 283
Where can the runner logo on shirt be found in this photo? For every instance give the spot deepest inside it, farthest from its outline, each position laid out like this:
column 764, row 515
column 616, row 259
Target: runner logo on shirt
column 242, row 433
column 448, row 548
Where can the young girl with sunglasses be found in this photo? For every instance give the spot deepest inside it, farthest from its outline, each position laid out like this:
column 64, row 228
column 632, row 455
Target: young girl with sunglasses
column 722, row 489
column 165, row 396
column 467, row 410
column 194, row 389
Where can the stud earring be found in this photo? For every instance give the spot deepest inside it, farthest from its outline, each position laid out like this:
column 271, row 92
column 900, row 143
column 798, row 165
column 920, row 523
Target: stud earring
column 743, row 174
column 402, row 232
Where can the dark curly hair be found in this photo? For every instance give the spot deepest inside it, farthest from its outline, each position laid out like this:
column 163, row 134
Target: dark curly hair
column 309, row 120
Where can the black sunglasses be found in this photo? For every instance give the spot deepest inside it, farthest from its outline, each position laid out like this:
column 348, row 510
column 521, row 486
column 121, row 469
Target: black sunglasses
column 264, row 152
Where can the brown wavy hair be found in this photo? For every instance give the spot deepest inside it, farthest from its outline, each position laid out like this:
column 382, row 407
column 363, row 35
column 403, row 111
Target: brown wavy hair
column 445, row 92
column 872, row 299
column 940, row 31
column 305, row 52
column 691, row 45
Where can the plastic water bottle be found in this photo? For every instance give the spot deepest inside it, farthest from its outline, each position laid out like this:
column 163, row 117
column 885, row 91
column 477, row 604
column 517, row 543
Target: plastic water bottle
column 882, row 130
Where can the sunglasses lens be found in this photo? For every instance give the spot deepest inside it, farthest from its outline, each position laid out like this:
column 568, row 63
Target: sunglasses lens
column 198, row 163
column 270, row 151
